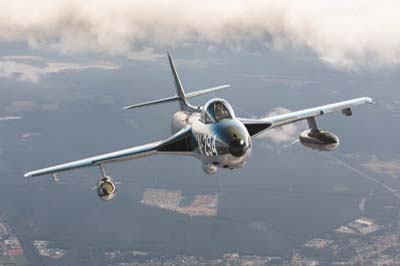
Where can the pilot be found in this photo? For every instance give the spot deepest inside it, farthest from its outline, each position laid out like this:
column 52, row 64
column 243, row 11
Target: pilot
column 220, row 111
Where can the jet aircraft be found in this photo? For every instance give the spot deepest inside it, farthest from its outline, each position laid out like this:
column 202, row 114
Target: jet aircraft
column 211, row 133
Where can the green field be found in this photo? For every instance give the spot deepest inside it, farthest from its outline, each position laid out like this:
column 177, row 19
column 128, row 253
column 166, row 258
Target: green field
column 21, row 260
column 6, row 260
column 18, row 260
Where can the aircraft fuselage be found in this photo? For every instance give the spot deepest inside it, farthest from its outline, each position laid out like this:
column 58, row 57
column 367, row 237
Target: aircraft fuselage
column 223, row 144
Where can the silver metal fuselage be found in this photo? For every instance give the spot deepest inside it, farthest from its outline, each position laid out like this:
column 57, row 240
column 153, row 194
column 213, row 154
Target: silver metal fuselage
column 214, row 141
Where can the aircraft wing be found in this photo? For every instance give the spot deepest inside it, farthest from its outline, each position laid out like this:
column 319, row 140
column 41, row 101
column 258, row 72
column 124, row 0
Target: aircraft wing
column 256, row 126
column 180, row 143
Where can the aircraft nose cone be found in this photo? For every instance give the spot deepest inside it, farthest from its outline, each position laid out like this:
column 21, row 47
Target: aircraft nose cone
column 237, row 147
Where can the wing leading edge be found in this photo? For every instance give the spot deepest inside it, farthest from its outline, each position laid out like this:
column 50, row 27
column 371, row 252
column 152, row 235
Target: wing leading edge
column 180, row 143
column 256, row 126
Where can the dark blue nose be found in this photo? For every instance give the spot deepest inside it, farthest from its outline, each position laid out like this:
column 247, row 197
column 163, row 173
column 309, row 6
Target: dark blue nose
column 237, row 147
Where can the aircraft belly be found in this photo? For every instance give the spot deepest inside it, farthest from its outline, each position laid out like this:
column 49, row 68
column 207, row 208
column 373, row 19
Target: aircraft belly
column 224, row 160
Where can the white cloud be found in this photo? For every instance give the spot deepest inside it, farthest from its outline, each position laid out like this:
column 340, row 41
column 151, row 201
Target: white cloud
column 30, row 135
column 145, row 54
column 391, row 168
column 344, row 33
column 21, row 106
column 6, row 118
column 19, row 67
column 23, row 57
column 285, row 134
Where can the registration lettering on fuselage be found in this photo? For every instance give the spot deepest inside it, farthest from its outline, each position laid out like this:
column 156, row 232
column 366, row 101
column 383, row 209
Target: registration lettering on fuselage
column 206, row 144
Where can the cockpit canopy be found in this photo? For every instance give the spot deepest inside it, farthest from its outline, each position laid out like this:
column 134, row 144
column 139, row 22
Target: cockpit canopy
column 216, row 110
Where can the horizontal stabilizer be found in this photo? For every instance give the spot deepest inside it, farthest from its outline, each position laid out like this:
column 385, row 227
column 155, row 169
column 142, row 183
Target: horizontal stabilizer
column 178, row 98
column 206, row 91
column 163, row 100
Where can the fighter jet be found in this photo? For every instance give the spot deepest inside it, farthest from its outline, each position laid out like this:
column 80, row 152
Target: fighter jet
column 212, row 133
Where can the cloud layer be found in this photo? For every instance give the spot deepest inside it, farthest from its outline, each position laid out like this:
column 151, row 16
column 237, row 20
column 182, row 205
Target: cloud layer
column 32, row 68
column 285, row 134
column 6, row 118
column 343, row 33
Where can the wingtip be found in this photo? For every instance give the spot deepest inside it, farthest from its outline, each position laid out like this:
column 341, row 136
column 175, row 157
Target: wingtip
column 28, row 175
column 129, row 107
column 369, row 100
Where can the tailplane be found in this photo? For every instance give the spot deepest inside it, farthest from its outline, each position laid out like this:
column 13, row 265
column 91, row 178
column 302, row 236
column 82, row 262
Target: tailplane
column 180, row 96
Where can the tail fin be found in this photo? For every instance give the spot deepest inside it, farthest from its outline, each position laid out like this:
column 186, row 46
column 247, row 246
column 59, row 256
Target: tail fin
column 180, row 92
column 180, row 96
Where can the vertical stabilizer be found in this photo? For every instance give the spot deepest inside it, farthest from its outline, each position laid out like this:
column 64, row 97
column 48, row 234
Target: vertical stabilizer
column 178, row 85
column 180, row 96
